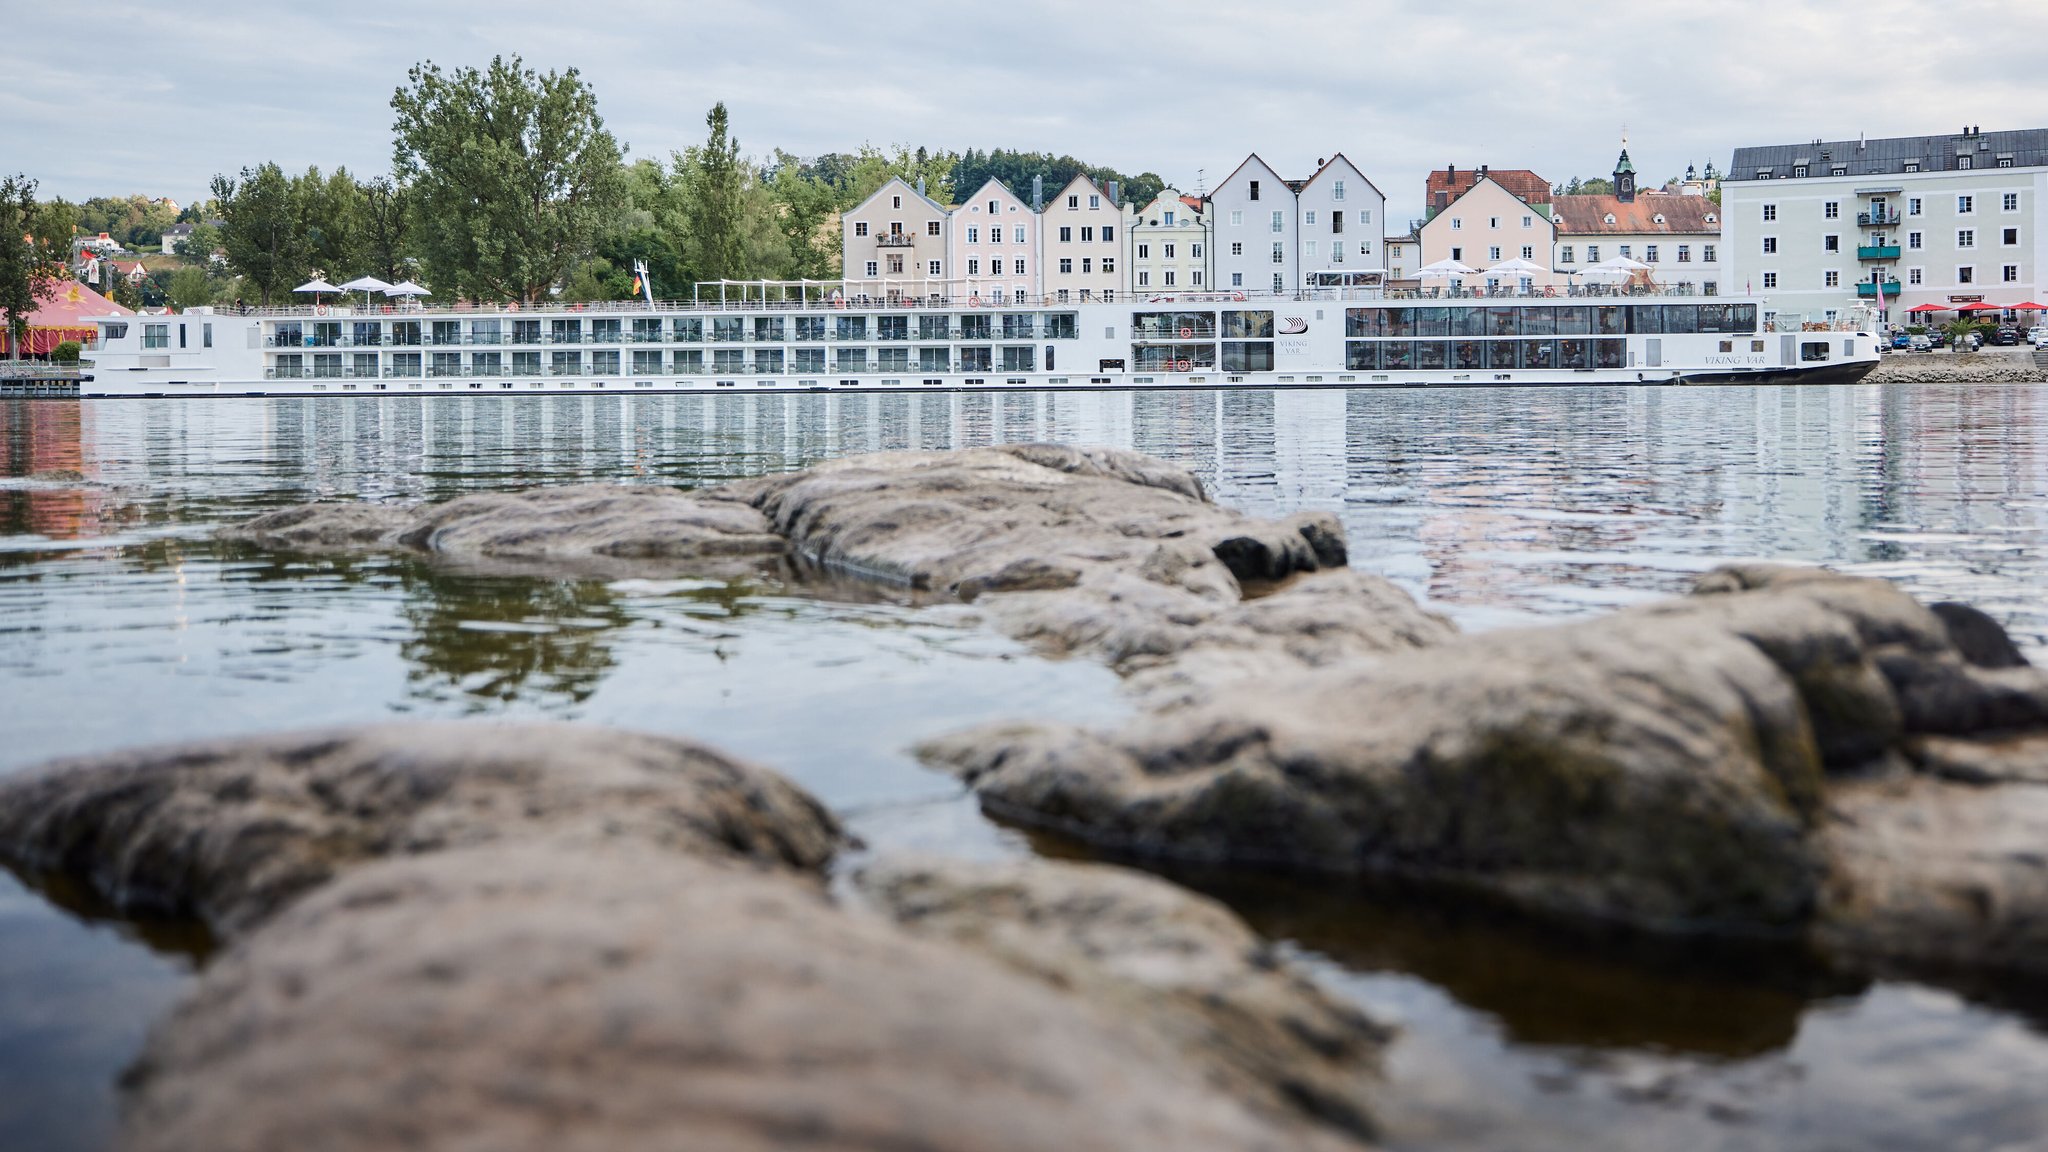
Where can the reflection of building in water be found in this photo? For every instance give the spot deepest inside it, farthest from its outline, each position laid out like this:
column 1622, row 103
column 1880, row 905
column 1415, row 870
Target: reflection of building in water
column 45, row 443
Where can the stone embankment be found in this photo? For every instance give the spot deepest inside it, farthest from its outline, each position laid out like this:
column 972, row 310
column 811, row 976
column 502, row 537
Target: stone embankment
column 505, row 937
column 1984, row 366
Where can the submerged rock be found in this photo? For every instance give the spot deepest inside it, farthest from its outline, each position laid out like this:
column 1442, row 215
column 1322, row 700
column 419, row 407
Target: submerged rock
column 538, row 937
column 572, row 524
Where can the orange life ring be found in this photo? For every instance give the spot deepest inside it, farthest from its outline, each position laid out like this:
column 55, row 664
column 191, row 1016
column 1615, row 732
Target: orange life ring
column 1187, row 333
column 1237, row 296
column 1184, row 366
column 974, row 301
column 320, row 310
column 1550, row 290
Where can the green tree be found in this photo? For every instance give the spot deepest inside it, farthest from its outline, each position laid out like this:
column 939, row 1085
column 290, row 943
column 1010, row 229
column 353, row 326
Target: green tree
column 802, row 205
column 261, row 230
column 330, row 210
column 515, row 171
column 189, row 288
column 34, row 246
column 200, row 246
column 386, row 227
column 713, row 189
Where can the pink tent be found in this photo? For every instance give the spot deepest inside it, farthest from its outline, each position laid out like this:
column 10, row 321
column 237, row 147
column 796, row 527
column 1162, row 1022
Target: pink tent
column 62, row 316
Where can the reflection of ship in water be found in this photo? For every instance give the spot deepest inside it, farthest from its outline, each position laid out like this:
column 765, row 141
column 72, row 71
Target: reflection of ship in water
column 1535, row 500
column 43, row 456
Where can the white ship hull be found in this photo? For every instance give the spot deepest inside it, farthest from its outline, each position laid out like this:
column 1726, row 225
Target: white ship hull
column 1309, row 340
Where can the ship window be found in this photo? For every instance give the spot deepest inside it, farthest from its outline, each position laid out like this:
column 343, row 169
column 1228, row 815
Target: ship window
column 1813, row 351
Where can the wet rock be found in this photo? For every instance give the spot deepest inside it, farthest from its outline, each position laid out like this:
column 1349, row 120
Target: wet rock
column 522, row 996
column 1992, row 759
column 566, row 524
column 1980, row 640
column 1933, row 871
column 1094, row 551
column 233, row 830
column 1179, row 964
column 1655, row 771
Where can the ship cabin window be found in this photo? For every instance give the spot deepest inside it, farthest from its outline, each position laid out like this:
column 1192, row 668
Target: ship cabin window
column 892, row 327
column 811, row 328
column 1062, row 326
column 853, row 328
column 728, row 329
column 1433, row 323
column 1813, row 351
column 110, row 332
column 768, row 329
column 156, row 335
column 977, row 328
column 690, row 330
column 933, row 327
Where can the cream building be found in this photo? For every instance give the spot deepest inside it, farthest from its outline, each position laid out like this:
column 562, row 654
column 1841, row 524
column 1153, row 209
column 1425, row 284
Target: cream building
column 1485, row 226
column 1166, row 245
column 995, row 251
column 1082, row 246
column 894, row 245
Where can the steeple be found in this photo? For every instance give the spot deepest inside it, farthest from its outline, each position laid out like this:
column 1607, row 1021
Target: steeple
column 1624, row 176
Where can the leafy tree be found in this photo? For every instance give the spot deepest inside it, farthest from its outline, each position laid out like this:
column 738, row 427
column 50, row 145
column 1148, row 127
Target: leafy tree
column 385, row 224
column 200, row 246
column 515, row 171
column 330, row 210
column 803, row 204
column 189, row 288
column 34, row 246
column 261, row 230
column 713, row 186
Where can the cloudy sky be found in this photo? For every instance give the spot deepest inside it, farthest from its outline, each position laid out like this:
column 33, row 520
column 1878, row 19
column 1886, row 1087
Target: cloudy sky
column 120, row 97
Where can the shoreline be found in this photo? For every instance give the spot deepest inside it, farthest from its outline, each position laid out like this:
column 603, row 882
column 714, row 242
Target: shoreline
column 1984, row 366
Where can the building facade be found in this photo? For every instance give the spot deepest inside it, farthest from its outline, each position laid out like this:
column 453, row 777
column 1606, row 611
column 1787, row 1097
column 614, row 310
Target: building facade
column 894, row 245
column 1342, row 220
column 1677, row 233
column 1251, row 224
column 1486, row 224
column 994, row 247
column 1166, row 245
column 1819, row 229
column 1081, row 227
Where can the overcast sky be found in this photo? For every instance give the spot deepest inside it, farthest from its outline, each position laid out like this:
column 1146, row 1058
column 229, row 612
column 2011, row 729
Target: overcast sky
column 117, row 97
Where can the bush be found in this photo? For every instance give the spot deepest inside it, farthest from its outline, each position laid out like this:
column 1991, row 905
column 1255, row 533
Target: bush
column 65, row 353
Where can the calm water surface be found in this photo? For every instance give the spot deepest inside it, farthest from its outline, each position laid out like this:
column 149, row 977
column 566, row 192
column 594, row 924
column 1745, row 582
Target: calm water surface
column 121, row 622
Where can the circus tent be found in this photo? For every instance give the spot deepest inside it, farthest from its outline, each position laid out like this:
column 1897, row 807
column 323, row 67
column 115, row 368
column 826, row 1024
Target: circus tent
column 61, row 316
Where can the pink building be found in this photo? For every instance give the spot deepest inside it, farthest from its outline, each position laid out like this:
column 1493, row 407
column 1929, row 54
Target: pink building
column 995, row 245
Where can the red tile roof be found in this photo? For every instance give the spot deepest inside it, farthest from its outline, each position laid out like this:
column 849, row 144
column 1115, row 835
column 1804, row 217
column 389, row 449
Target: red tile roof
column 1582, row 215
column 1447, row 184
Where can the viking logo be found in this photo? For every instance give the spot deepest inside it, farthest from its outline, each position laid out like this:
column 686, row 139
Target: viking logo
column 1292, row 325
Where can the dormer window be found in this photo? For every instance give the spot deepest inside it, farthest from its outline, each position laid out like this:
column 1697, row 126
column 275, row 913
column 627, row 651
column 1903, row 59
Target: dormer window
column 1610, row 217
column 1713, row 219
column 1763, row 173
column 1658, row 218
column 1799, row 171
column 1912, row 165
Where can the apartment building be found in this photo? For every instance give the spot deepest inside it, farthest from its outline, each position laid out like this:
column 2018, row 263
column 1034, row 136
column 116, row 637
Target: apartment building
column 1678, row 234
column 1166, row 244
column 1081, row 226
column 1485, row 223
column 995, row 245
column 1341, row 220
column 894, row 245
column 1820, row 228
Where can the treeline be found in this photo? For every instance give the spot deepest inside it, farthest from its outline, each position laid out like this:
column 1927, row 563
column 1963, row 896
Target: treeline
column 506, row 185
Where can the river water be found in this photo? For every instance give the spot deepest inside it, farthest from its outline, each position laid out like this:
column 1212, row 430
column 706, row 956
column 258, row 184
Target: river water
column 121, row 622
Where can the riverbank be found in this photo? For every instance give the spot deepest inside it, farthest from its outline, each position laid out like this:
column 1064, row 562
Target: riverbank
column 1984, row 366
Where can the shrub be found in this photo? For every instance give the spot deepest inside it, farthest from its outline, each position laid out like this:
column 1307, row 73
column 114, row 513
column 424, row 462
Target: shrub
column 65, row 353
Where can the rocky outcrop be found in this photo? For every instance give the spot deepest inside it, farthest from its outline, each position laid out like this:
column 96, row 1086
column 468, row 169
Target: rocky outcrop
column 1092, row 551
column 586, row 524
column 1984, row 366
column 231, row 831
column 1747, row 758
column 538, row 937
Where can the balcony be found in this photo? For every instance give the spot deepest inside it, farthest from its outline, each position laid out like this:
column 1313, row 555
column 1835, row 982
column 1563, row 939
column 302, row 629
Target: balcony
column 1876, row 219
column 1880, row 252
column 894, row 240
column 1869, row 290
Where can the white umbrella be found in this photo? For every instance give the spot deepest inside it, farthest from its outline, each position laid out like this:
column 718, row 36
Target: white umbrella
column 1601, row 272
column 316, row 286
column 1515, row 267
column 1444, row 268
column 365, row 285
column 1621, row 264
column 406, row 288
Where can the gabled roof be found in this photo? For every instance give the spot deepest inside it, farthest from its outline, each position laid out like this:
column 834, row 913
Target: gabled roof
column 1526, row 186
column 1006, row 190
column 1247, row 160
column 1487, row 181
column 1332, row 163
column 900, row 182
column 2025, row 148
column 1587, row 215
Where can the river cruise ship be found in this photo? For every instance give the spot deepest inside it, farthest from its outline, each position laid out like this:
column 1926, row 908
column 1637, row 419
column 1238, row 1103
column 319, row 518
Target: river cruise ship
column 1340, row 336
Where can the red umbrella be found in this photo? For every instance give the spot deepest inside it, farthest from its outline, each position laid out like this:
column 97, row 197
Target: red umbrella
column 1982, row 306
column 2030, row 306
column 1927, row 308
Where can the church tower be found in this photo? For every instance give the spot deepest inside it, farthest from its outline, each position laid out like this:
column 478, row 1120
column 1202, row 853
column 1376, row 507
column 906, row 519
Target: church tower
column 1624, row 177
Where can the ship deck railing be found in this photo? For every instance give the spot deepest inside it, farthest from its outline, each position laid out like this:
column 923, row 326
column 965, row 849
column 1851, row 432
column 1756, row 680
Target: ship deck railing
column 426, row 313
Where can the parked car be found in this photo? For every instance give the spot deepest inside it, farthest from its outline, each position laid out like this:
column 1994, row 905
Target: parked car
column 2039, row 337
column 1902, row 340
column 1921, row 343
column 1937, row 338
column 2006, row 337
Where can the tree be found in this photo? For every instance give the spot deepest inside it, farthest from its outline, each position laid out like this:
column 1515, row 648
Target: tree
column 189, row 288
column 261, row 230
column 802, row 205
column 330, row 213
column 514, row 169
column 712, row 187
column 386, row 223
column 201, row 244
column 34, row 245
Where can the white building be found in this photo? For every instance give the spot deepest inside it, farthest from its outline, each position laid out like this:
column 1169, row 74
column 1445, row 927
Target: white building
column 1166, row 244
column 1342, row 220
column 1081, row 245
column 1677, row 233
column 1252, row 226
column 994, row 247
column 1947, row 220
column 894, row 245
